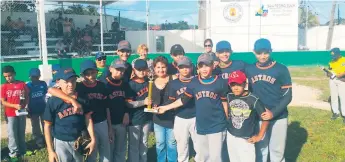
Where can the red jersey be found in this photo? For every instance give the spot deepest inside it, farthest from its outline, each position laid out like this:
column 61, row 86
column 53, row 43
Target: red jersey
column 11, row 93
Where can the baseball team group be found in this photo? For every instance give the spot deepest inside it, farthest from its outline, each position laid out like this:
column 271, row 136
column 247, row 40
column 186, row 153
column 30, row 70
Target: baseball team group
column 228, row 109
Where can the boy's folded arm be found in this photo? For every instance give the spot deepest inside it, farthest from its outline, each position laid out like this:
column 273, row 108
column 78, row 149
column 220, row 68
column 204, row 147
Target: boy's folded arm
column 58, row 93
column 7, row 104
column 284, row 102
column 263, row 128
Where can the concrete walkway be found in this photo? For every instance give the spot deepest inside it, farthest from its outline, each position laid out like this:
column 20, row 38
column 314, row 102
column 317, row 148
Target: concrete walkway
column 303, row 96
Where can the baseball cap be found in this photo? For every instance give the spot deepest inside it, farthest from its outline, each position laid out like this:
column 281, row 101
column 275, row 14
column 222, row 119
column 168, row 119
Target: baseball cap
column 124, row 45
column 262, row 44
column 118, row 64
column 56, row 67
column 140, row 64
column 237, row 77
column 205, row 58
column 177, row 49
column 35, row 72
column 65, row 74
column 336, row 51
column 184, row 61
column 87, row 64
column 99, row 55
column 223, row 46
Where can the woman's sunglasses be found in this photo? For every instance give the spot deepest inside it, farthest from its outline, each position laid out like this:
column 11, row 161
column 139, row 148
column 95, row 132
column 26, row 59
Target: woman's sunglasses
column 207, row 45
column 102, row 58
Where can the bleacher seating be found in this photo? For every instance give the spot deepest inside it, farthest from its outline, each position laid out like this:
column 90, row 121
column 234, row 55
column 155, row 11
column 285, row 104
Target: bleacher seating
column 28, row 49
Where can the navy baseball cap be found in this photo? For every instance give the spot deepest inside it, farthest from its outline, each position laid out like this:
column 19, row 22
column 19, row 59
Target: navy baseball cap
column 56, row 67
column 262, row 44
column 205, row 58
column 99, row 55
column 87, row 64
column 223, row 46
column 35, row 72
column 335, row 51
column 118, row 64
column 177, row 49
column 184, row 61
column 140, row 64
column 65, row 74
column 124, row 45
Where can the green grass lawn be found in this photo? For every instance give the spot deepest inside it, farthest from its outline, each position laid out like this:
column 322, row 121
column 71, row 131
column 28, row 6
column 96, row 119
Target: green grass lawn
column 312, row 77
column 312, row 137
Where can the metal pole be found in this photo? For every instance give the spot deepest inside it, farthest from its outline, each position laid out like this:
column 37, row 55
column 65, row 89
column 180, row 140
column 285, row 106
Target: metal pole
column 39, row 29
column 101, row 21
column 105, row 17
column 331, row 27
column 43, row 32
column 147, row 24
column 306, row 27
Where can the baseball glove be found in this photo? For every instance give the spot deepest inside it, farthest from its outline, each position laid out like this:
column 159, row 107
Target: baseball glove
column 80, row 144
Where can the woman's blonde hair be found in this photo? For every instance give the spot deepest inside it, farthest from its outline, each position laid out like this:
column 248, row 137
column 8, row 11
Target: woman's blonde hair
column 142, row 47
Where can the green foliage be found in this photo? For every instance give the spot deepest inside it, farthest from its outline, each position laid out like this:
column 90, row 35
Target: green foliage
column 18, row 6
column 180, row 25
column 77, row 9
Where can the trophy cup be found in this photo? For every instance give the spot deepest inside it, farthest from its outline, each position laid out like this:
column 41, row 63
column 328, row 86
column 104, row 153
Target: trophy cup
column 149, row 96
column 22, row 111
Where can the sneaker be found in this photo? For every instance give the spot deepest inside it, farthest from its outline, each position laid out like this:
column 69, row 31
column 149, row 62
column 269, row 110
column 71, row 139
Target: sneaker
column 334, row 116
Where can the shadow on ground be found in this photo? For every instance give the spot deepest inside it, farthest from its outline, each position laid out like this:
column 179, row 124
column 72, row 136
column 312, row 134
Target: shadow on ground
column 296, row 138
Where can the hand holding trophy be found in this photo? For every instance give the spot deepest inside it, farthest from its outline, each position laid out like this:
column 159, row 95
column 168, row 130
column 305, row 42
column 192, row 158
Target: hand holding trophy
column 22, row 111
column 149, row 96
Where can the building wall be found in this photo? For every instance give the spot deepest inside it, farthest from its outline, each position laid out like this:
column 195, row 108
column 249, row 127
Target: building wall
column 191, row 40
column 79, row 20
column 317, row 37
column 237, row 21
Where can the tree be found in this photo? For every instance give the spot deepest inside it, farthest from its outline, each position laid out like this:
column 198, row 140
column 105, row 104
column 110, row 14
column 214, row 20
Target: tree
column 144, row 26
column 18, row 6
column 78, row 10
column 312, row 18
column 180, row 25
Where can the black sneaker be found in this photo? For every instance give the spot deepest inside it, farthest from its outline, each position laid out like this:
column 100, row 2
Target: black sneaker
column 334, row 116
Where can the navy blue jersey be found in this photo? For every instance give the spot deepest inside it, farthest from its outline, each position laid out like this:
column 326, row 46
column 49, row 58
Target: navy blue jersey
column 244, row 115
column 97, row 96
column 66, row 125
column 139, row 89
column 208, row 97
column 159, row 98
column 177, row 88
column 267, row 83
column 128, row 73
column 37, row 95
column 118, row 93
column 225, row 71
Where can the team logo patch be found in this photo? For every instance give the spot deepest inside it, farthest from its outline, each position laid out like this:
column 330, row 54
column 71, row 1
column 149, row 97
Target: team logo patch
column 262, row 12
column 233, row 12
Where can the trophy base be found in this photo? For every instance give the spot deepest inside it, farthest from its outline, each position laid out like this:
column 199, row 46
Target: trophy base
column 150, row 110
column 21, row 112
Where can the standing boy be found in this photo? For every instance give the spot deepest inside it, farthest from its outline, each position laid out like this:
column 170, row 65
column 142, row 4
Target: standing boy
column 38, row 90
column 226, row 66
column 209, row 93
column 140, row 121
column 11, row 92
column 245, row 110
column 67, row 125
column 271, row 82
column 184, row 126
column 124, row 50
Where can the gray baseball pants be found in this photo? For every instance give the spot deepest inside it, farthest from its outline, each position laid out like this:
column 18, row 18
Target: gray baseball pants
column 138, row 144
column 65, row 152
column 16, row 135
column 36, row 123
column 337, row 89
column 119, row 146
column 183, row 130
column 102, row 143
column 274, row 142
column 239, row 149
column 211, row 146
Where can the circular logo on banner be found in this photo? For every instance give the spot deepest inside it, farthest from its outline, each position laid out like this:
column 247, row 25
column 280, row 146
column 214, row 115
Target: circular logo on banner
column 233, row 12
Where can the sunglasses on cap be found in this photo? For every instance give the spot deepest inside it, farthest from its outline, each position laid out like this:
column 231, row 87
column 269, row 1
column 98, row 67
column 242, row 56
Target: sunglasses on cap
column 125, row 51
column 263, row 51
column 207, row 45
column 102, row 58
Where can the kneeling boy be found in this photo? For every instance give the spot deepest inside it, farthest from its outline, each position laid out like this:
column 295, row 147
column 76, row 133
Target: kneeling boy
column 67, row 124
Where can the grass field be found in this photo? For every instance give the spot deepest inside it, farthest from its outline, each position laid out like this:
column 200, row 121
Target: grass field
column 312, row 77
column 312, row 137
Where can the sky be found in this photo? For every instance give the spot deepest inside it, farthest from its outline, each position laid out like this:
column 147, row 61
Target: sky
column 187, row 10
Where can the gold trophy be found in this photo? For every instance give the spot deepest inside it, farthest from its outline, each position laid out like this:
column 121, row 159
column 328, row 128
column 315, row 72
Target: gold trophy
column 149, row 95
column 22, row 111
